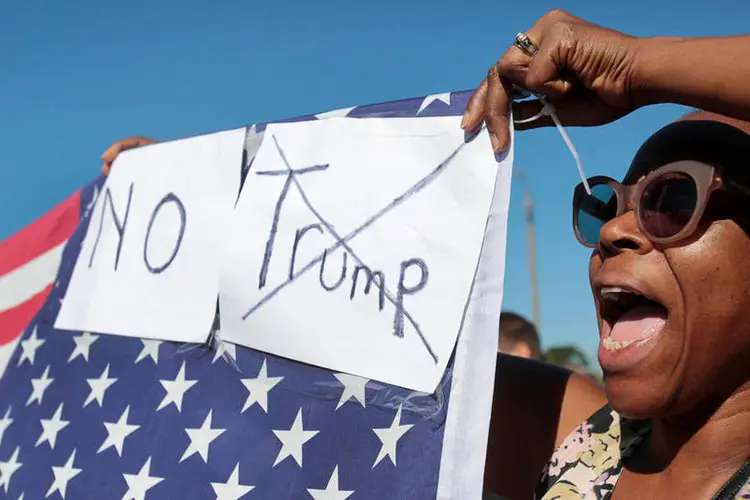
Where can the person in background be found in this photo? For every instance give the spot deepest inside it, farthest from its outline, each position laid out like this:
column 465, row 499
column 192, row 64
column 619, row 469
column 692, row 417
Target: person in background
column 669, row 268
column 518, row 337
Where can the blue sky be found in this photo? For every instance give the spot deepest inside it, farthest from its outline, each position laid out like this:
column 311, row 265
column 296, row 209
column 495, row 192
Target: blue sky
column 78, row 75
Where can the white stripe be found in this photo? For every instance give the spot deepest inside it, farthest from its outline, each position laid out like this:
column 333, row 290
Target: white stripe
column 21, row 284
column 6, row 352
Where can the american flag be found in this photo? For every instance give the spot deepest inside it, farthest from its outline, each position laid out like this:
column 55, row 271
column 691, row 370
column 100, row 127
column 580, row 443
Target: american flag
column 90, row 416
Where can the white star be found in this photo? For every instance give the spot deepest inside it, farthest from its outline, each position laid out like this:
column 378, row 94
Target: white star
column 253, row 140
column 334, row 113
column 83, row 345
column 150, row 349
column 176, row 389
column 51, row 427
column 222, row 348
column 201, row 439
column 445, row 97
column 332, row 491
column 139, row 484
column 29, row 346
column 389, row 437
column 292, row 440
column 354, row 387
column 5, row 423
column 7, row 469
column 92, row 202
column 258, row 388
column 98, row 387
column 117, row 432
column 232, row 489
column 39, row 385
column 63, row 475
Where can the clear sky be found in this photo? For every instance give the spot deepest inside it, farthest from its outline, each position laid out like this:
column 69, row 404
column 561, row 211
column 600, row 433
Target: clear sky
column 77, row 75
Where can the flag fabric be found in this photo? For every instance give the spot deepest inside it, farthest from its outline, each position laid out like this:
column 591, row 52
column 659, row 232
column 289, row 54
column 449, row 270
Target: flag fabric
column 28, row 265
column 84, row 415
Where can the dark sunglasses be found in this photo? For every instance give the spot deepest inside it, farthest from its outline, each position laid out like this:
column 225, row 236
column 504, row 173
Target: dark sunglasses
column 668, row 203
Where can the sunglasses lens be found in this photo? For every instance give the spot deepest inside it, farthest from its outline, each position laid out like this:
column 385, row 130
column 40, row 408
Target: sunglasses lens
column 667, row 204
column 594, row 211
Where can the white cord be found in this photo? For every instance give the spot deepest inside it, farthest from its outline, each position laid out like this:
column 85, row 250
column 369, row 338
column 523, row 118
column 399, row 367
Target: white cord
column 549, row 110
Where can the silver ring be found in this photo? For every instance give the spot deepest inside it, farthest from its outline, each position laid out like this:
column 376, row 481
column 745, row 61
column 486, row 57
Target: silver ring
column 525, row 45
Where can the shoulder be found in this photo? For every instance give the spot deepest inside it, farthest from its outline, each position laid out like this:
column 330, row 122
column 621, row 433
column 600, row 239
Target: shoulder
column 583, row 399
column 535, row 405
column 588, row 454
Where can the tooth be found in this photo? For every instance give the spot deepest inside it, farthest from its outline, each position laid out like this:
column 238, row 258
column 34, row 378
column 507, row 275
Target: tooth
column 614, row 345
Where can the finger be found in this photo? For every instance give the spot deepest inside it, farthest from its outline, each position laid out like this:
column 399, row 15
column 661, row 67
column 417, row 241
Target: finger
column 525, row 110
column 131, row 142
column 543, row 74
column 111, row 153
column 474, row 113
column 496, row 110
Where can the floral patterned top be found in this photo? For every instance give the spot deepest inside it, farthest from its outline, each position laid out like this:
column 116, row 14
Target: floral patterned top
column 589, row 462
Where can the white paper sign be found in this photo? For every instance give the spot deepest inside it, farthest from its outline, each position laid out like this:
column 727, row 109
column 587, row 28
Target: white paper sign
column 354, row 245
column 148, row 266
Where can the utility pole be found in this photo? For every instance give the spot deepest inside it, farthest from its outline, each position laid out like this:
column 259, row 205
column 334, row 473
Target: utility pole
column 528, row 205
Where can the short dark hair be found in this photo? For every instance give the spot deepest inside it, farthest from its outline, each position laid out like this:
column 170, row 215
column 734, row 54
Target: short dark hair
column 515, row 328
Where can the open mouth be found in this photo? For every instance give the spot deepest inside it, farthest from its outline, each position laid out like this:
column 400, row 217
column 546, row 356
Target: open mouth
column 629, row 317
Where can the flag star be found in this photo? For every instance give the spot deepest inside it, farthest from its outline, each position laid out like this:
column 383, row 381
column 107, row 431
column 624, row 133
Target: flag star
column 335, row 113
column 332, row 491
column 98, row 387
column 259, row 387
column 150, row 349
column 253, row 140
column 92, row 202
column 389, row 438
column 139, row 484
column 7, row 469
column 176, row 390
column 63, row 475
column 444, row 97
column 39, row 385
column 29, row 347
column 225, row 349
column 52, row 427
column 5, row 423
column 83, row 345
column 232, row 489
column 201, row 439
column 354, row 387
column 117, row 432
column 292, row 440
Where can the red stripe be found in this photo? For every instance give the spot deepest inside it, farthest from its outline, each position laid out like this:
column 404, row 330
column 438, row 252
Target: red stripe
column 42, row 235
column 13, row 321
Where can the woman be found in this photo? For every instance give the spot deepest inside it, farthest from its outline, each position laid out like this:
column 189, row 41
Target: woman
column 669, row 268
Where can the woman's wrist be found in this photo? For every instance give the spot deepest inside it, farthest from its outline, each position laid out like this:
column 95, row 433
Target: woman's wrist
column 654, row 79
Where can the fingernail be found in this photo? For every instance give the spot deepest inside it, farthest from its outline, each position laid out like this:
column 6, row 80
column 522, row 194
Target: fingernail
column 464, row 121
column 495, row 142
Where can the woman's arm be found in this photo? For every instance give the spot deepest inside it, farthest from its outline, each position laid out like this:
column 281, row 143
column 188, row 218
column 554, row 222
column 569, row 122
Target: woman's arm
column 594, row 75
column 712, row 74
